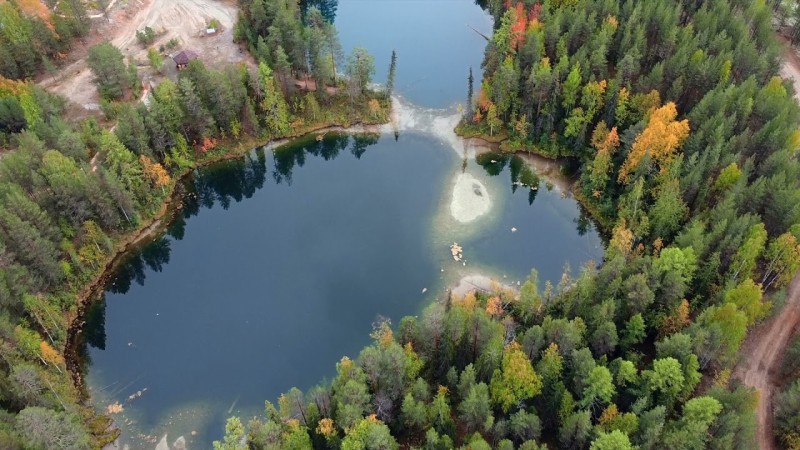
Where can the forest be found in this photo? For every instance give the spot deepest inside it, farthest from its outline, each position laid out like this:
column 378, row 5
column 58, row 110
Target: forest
column 686, row 139
column 33, row 39
column 73, row 192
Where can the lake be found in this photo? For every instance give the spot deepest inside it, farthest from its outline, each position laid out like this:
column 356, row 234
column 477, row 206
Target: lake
column 278, row 263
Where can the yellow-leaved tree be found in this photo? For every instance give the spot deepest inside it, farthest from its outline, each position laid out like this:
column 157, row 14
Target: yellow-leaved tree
column 155, row 171
column 516, row 381
column 51, row 355
column 659, row 140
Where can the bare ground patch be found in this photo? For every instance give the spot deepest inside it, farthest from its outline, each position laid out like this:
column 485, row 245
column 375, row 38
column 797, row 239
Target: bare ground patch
column 184, row 20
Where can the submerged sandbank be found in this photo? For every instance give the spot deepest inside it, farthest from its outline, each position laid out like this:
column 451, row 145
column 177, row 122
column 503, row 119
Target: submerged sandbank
column 470, row 198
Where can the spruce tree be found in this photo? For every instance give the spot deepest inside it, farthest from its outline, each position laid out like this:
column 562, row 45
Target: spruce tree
column 470, row 81
column 391, row 76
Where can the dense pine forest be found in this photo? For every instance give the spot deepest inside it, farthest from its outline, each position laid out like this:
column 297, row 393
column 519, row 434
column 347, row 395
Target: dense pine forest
column 75, row 192
column 33, row 39
column 687, row 141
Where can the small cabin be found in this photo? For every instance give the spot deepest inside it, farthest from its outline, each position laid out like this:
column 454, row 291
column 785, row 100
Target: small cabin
column 182, row 59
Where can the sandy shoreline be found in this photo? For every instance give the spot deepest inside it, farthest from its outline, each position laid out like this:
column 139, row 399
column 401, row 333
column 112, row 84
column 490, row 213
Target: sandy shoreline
column 479, row 283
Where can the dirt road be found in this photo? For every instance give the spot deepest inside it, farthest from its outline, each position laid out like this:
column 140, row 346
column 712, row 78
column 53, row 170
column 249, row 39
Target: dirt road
column 790, row 69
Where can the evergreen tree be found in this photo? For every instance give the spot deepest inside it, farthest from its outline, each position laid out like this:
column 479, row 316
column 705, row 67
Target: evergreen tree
column 391, row 76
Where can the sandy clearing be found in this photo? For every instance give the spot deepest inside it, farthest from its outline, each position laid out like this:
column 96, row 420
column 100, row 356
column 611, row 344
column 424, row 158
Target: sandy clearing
column 184, row 20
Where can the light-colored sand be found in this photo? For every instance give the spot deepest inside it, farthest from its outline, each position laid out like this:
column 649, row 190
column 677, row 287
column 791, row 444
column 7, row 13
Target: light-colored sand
column 478, row 282
column 184, row 20
column 470, row 198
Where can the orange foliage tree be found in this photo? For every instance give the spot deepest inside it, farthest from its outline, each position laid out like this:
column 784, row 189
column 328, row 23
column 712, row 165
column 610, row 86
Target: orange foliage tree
column 678, row 321
column 494, row 306
column 35, row 8
column 621, row 239
column 155, row 171
column 50, row 355
column 518, row 27
column 660, row 139
column 12, row 87
column 207, row 144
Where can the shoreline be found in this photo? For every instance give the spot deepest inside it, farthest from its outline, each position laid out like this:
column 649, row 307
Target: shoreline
column 544, row 166
column 480, row 282
column 476, row 281
column 158, row 223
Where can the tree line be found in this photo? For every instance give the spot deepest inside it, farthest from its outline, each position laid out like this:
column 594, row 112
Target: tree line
column 35, row 36
column 686, row 139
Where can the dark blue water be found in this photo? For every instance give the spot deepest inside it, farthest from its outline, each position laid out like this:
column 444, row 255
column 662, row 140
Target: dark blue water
column 283, row 263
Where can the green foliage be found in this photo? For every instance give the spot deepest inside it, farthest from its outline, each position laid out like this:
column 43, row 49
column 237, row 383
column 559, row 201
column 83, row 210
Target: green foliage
column 475, row 410
column 273, row 104
column 728, row 177
column 369, row 434
column 145, row 36
column 43, row 428
column 111, row 74
column 390, row 78
column 719, row 332
column 516, row 381
column 599, row 387
column 33, row 35
column 712, row 221
column 360, row 69
column 790, row 366
column 71, row 191
column 575, row 431
column 665, row 379
column 155, row 58
column 787, row 414
column 615, row 440
column 234, row 432
column 681, row 262
column 747, row 297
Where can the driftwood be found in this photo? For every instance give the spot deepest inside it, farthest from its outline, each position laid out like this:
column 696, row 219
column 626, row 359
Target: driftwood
column 481, row 34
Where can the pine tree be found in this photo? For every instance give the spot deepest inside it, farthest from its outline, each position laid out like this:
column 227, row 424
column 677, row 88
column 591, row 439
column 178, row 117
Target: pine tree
column 468, row 110
column 392, row 72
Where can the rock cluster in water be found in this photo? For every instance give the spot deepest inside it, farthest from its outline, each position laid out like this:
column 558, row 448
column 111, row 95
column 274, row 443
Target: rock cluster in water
column 457, row 251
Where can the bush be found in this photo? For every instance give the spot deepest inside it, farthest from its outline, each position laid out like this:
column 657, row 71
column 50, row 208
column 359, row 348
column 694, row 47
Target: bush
column 111, row 74
column 146, row 36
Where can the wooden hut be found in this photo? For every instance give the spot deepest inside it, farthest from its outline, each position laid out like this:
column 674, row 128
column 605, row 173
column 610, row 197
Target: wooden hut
column 182, row 59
